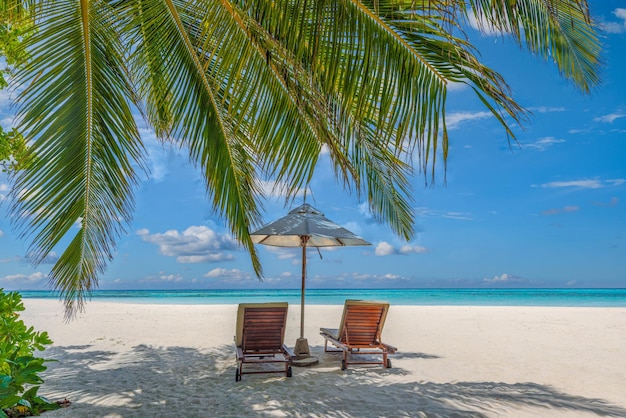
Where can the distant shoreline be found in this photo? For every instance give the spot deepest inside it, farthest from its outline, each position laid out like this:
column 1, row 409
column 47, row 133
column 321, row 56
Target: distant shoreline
column 594, row 297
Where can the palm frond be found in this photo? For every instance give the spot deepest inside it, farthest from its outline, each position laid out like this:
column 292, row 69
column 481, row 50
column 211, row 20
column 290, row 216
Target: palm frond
column 559, row 30
column 184, row 98
column 85, row 143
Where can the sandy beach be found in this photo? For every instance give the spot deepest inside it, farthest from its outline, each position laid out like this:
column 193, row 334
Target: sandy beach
column 141, row 360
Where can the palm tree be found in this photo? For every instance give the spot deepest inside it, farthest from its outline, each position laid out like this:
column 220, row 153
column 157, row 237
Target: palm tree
column 253, row 89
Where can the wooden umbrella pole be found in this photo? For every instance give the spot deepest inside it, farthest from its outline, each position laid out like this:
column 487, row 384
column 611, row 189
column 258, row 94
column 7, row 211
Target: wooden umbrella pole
column 304, row 241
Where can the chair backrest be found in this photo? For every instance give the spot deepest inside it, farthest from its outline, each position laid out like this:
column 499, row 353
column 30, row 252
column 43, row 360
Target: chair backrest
column 362, row 322
column 261, row 326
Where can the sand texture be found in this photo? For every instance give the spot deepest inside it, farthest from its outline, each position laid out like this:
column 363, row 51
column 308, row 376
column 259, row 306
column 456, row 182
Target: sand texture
column 141, row 360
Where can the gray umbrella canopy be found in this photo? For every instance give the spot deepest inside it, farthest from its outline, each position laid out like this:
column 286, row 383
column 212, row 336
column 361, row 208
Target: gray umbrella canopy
column 305, row 221
column 304, row 227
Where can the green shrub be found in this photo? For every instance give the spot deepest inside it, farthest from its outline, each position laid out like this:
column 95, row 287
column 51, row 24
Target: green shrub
column 19, row 368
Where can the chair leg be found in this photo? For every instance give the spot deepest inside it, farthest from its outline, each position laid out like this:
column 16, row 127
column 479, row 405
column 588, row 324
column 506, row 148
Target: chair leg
column 238, row 372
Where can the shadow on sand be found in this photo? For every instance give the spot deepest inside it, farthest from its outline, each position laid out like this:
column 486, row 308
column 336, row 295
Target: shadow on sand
column 186, row 382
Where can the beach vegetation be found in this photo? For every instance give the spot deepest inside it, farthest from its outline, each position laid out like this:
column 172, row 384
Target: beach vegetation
column 15, row 25
column 13, row 150
column 20, row 368
column 255, row 90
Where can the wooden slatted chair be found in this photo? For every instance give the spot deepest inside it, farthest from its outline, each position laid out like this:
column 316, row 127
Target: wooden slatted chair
column 260, row 336
column 360, row 332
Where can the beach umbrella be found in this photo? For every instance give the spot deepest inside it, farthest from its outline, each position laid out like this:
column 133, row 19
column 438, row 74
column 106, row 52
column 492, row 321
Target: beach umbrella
column 305, row 227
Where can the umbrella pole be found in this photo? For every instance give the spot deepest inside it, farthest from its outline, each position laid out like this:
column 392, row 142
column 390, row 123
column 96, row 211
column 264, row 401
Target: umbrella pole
column 302, row 351
column 304, row 240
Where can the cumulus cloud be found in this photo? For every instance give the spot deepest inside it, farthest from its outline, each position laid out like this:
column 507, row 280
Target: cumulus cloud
column 283, row 253
column 227, row 279
column 196, row 244
column 24, row 278
column 277, row 189
column 456, row 119
column 480, row 23
column 618, row 26
column 610, row 118
column 384, row 249
column 232, row 274
column 162, row 278
column 544, row 143
column 503, row 279
column 565, row 209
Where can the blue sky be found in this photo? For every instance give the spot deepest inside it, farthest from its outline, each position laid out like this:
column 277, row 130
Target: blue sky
column 549, row 211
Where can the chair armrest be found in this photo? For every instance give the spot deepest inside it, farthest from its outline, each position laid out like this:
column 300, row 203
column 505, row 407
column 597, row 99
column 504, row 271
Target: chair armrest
column 239, row 353
column 331, row 332
column 335, row 341
column 289, row 351
column 389, row 348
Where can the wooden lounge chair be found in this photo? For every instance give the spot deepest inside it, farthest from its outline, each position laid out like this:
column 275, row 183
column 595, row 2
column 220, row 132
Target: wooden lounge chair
column 359, row 333
column 260, row 337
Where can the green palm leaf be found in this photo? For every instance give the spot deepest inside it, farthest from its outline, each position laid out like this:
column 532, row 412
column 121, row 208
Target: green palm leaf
column 85, row 142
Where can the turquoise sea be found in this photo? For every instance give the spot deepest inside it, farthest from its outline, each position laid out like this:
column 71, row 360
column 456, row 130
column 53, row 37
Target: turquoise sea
column 449, row 297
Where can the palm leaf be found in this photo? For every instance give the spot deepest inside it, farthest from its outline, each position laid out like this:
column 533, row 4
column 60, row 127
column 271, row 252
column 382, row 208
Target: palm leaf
column 86, row 144
column 559, row 30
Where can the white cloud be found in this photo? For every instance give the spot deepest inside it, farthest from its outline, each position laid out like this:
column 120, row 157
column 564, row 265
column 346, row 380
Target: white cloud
column 433, row 213
column 207, row 258
column 370, row 278
column 24, row 278
column 616, row 27
column 196, row 244
column 481, row 24
column 610, row 118
column 544, row 143
column 276, row 189
column 159, row 156
column 384, row 249
column 547, row 109
column 1, row 233
column 412, row 249
column 283, row 253
column 503, row 279
column 162, row 278
column 583, row 184
column 616, row 182
column 232, row 274
column 455, row 119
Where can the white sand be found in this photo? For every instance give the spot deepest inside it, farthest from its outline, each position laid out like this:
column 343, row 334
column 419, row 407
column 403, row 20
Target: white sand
column 135, row 360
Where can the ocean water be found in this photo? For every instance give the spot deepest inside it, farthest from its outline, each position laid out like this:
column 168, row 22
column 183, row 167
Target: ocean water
column 443, row 297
